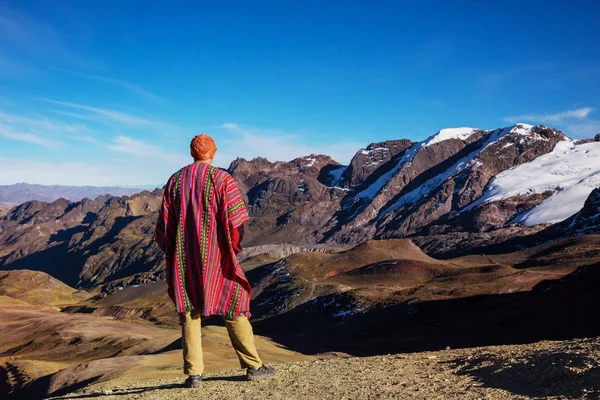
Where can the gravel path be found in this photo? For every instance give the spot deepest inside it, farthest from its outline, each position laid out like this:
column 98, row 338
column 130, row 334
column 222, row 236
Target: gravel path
column 545, row 370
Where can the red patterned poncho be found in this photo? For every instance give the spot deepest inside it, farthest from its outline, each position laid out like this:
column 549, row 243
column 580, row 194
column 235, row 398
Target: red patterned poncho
column 201, row 206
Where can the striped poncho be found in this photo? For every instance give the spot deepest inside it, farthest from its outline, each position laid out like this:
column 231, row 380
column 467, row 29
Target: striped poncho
column 201, row 206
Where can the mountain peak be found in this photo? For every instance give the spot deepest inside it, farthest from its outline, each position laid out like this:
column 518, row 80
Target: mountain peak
column 449, row 133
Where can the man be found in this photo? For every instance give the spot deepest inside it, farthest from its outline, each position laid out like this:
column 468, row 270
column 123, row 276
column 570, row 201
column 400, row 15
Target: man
column 199, row 229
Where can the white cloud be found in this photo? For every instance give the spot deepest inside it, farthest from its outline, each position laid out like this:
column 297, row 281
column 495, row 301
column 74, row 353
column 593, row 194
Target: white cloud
column 40, row 130
column 229, row 125
column 275, row 145
column 580, row 113
column 42, row 124
column 7, row 133
column 108, row 116
column 113, row 115
column 141, row 149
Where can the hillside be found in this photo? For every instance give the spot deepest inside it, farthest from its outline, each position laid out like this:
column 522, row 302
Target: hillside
column 5, row 208
column 410, row 303
column 35, row 287
column 47, row 349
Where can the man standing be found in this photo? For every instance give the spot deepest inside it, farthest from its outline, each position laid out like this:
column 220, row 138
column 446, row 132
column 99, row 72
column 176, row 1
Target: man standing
column 199, row 229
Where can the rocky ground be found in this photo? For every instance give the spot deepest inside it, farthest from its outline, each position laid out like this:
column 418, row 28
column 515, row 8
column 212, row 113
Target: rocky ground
column 544, row 370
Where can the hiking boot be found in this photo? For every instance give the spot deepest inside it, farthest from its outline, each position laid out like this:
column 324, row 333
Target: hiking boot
column 193, row 381
column 254, row 374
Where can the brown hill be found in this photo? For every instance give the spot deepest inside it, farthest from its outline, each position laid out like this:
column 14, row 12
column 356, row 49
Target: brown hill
column 395, row 299
column 5, row 208
column 34, row 287
column 50, row 350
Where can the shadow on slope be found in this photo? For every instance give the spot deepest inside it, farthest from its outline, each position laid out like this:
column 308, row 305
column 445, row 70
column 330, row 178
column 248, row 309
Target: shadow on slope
column 64, row 263
column 565, row 374
column 562, row 309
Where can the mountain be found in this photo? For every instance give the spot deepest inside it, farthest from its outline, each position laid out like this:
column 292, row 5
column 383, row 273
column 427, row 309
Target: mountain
column 83, row 243
column 585, row 222
column 434, row 179
column 288, row 201
column 460, row 191
column 516, row 236
column 411, row 302
column 22, row 192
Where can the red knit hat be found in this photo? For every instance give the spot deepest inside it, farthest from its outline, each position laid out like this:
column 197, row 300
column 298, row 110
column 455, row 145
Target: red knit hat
column 202, row 147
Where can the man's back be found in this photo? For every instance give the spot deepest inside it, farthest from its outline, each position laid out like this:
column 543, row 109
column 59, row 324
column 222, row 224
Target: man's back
column 202, row 206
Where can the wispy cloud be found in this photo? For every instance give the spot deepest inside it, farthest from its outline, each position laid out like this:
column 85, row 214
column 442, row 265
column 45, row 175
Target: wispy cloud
column 118, row 82
column 580, row 113
column 41, row 124
column 141, row 149
column 248, row 142
column 107, row 116
column 38, row 129
column 7, row 132
column 229, row 125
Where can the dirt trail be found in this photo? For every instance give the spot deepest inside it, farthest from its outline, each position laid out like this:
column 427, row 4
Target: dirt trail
column 545, row 370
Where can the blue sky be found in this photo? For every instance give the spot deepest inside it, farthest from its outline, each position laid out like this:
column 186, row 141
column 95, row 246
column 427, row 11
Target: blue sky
column 105, row 93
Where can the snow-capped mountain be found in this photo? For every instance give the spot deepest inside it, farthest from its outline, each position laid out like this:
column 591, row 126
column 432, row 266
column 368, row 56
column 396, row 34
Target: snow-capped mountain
column 570, row 171
column 433, row 186
column 457, row 180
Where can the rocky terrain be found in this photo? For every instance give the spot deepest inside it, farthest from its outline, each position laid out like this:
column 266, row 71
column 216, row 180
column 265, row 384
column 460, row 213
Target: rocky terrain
column 545, row 370
column 83, row 243
column 402, row 300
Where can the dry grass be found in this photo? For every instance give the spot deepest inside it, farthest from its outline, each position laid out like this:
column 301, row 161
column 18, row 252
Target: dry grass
column 36, row 287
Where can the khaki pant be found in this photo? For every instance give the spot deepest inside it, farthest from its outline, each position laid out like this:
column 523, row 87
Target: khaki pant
column 240, row 333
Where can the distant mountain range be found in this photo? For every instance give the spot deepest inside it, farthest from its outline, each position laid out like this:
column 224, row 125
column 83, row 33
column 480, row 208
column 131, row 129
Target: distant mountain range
column 11, row 195
column 461, row 191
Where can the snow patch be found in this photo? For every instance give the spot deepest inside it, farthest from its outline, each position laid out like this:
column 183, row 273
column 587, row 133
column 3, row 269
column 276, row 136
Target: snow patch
column 367, row 152
column 447, row 134
column 522, row 129
column 572, row 171
column 431, row 184
column 371, row 191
